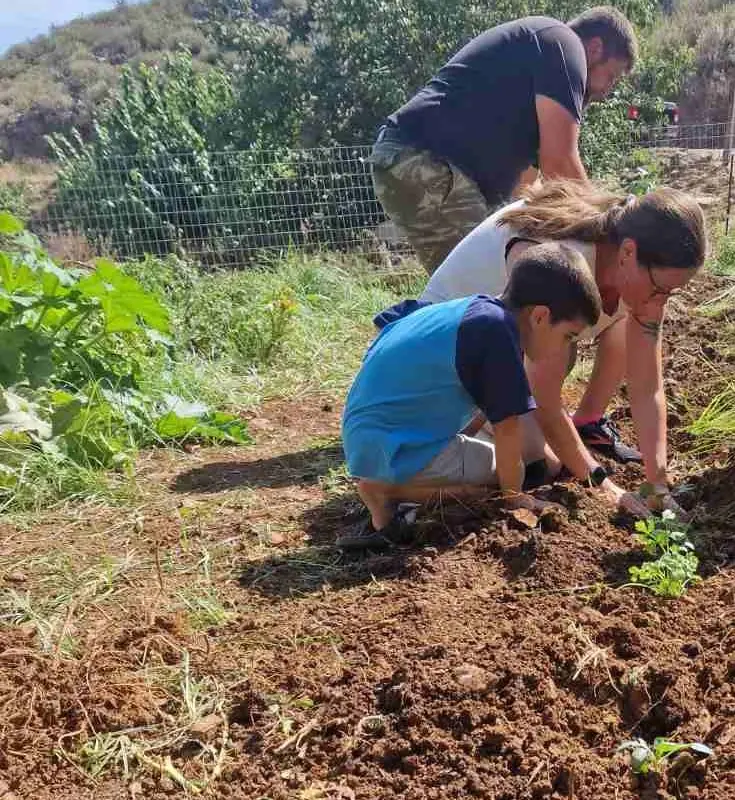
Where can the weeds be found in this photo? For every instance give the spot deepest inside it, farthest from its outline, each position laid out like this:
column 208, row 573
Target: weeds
column 105, row 751
column 589, row 654
column 69, row 593
column 715, row 426
column 675, row 564
column 195, row 703
column 204, row 608
column 724, row 260
column 642, row 173
column 645, row 758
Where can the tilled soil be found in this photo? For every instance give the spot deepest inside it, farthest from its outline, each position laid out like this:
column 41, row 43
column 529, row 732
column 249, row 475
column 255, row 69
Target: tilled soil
column 491, row 660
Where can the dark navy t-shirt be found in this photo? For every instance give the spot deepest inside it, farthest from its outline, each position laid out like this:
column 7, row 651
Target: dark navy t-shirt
column 424, row 377
column 479, row 110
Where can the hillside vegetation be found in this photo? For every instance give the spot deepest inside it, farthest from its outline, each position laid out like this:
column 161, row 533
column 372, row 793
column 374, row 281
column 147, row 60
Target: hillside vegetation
column 707, row 29
column 56, row 82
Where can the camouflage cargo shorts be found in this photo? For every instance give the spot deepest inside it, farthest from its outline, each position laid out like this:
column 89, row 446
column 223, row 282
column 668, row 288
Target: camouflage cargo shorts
column 434, row 203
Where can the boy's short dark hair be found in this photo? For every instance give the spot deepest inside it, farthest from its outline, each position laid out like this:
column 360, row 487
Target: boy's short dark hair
column 613, row 27
column 555, row 276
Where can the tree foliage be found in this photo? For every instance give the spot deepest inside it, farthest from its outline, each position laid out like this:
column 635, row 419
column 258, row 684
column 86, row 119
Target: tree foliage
column 338, row 67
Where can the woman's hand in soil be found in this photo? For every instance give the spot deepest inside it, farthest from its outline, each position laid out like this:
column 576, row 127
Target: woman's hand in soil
column 624, row 501
column 658, row 498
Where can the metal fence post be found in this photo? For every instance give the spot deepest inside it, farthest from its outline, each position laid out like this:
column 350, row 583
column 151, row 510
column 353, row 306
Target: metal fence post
column 729, row 196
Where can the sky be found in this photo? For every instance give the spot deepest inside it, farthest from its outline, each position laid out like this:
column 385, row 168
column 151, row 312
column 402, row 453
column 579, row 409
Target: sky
column 23, row 19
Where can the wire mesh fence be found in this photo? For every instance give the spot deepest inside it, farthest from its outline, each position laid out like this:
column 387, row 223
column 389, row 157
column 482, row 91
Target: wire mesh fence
column 225, row 207
column 704, row 136
column 230, row 208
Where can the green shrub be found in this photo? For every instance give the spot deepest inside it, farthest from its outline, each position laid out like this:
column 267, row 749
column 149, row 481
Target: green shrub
column 724, row 260
column 606, row 136
column 641, row 173
column 157, row 178
column 74, row 347
column 14, row 199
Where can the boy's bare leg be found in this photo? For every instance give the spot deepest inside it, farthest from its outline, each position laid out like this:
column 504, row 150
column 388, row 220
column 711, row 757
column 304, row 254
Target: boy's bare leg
column 381, row 499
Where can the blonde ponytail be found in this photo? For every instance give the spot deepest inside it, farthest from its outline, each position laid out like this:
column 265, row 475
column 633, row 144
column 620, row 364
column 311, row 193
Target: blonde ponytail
column 667, row 225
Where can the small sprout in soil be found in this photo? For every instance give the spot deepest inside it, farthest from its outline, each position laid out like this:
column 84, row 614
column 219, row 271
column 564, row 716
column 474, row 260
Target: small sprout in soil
column 279, row 707
column 675, row 564
column 105, row 751
column 645, row 758
column 200, row 697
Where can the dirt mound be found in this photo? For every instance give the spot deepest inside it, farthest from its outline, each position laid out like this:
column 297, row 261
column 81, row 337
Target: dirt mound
column 216, row 626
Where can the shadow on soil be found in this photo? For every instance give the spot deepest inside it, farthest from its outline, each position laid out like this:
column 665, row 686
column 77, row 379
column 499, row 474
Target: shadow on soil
column 302, row 467
column 321, row 564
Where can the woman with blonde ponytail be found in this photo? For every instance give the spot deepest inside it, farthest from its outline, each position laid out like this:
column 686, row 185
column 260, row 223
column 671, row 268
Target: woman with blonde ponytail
column 640, row 250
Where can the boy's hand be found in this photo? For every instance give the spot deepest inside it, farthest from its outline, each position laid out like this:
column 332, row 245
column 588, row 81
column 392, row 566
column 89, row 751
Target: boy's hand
column 530, row 503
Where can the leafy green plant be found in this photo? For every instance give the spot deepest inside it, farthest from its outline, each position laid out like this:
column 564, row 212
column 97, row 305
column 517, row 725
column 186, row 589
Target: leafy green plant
column 724, row 260
column 258, row 336
column 14, row 199
column 70, row 325
column 606, row 135
column 675, row 564
column 75, row 343
column 645, row 758
column 642, row 172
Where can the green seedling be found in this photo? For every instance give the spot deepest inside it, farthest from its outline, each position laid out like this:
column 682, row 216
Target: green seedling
column 675, row 564
column 645, row 758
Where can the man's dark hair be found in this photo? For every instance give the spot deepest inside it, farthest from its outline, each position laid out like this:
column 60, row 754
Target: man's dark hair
column 615, row 30
column 555, row 276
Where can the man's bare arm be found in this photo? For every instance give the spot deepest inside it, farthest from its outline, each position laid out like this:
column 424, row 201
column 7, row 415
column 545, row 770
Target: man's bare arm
column 558, row 141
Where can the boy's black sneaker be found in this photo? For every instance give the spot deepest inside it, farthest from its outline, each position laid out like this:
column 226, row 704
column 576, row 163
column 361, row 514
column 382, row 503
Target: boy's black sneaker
column 605, row 437
column 536, row 475
column 399, row 531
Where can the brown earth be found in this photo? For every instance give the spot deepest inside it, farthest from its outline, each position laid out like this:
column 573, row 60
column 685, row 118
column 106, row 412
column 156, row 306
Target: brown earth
column 703, row 173
column 490, row 660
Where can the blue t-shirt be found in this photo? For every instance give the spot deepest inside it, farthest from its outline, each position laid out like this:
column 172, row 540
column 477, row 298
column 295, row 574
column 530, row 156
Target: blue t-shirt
column 423, row 379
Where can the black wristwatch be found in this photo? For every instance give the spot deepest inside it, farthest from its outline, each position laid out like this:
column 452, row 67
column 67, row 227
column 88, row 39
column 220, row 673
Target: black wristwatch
column 597, row 475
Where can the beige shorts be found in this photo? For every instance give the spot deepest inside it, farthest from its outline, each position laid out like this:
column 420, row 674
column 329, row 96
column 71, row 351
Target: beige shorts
column 471, row 459
column 433, row 202
column 466, row 459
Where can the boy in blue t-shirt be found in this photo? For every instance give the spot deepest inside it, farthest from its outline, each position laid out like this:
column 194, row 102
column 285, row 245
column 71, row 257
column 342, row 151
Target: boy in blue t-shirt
column 430, row 370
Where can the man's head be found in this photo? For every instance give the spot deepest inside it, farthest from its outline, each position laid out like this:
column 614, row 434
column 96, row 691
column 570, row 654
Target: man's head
column 555, row 298
column 611, row 47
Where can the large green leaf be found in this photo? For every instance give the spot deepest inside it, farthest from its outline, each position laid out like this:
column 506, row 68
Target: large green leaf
column 12, row 342
column 25, row 354
column 216, row 427
column 123, row 299
column 9, row 225
column 65, row 415
column 17, row 276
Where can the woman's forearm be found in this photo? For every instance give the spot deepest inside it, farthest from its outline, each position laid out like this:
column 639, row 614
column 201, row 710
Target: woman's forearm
column 646, row 394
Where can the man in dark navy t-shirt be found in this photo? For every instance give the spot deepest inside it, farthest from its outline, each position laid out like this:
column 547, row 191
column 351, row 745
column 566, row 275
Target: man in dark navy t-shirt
column 511, row 98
